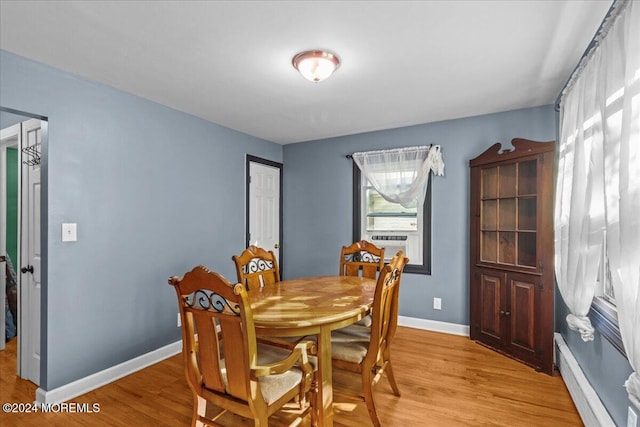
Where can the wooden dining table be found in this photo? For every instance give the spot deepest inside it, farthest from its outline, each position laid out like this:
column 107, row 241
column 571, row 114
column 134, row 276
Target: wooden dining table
column 313, row 306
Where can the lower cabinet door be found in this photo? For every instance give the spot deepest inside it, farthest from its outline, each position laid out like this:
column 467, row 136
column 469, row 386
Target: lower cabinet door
column 521, row 314
column 491, row 307
column 511, row 313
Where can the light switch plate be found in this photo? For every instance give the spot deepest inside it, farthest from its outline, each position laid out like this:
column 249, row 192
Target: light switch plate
column 69, row 232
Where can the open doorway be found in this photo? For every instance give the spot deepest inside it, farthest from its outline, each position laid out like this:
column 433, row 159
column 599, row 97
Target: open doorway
column 21, row 139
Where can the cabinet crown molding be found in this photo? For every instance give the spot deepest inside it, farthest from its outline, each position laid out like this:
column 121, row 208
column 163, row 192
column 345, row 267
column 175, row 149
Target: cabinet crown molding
column 521, row 147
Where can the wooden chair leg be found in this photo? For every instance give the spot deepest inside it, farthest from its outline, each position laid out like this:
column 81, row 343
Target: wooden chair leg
column 261, row 421
column 199, row 410
column 392, row 379
column 367, row 389
column 313, row 400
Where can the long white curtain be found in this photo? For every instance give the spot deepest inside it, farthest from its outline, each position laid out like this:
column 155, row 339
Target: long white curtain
column 579, row 209
column 401, row 175
column 600, row 144
column 621, row 60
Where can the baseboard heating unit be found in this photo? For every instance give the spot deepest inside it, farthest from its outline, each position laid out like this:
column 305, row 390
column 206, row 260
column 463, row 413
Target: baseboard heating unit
column 589, row 405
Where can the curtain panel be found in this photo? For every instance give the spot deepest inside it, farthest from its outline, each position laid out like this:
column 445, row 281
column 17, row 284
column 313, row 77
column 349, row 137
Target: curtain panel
column 401, row 175
column 598, row 184
column 621, row 59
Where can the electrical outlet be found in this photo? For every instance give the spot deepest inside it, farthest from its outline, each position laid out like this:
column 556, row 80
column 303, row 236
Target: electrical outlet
column 179, row 320
column 632, row 418
column 437, row 304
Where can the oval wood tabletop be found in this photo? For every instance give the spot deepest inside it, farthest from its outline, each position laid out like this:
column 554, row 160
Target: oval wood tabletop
column 311, row 301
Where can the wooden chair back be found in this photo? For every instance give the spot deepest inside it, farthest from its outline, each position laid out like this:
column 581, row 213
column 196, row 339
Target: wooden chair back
column 361, row 259
column 211, row 309
column 221, row 353
column 384, row 311
column 349, row 344
column 256, row 267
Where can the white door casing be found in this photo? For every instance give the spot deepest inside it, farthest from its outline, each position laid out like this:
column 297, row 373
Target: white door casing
column 9, row 137
column 264, row 207
column 3, row 303
column 30, row 287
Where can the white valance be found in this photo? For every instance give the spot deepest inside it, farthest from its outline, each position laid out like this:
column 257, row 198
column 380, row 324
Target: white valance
column 401, row 175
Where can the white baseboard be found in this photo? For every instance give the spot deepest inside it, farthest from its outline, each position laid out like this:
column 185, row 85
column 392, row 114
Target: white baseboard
column 434, row 325
column 589, row 405
column 94, row 381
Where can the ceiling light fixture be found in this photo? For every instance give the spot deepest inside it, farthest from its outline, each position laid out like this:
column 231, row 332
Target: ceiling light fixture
column 316, row 65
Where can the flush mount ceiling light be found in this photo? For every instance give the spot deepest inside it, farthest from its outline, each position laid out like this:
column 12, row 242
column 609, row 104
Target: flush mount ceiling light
column 316, row 65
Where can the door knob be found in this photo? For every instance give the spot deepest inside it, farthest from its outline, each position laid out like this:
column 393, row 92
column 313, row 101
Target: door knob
column 277, row 246
column 27, row 269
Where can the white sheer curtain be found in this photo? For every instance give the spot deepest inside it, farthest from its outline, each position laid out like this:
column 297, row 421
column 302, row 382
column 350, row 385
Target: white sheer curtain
column 599, row 181
column 401, row 175
column 579, row 209
column 621, row 60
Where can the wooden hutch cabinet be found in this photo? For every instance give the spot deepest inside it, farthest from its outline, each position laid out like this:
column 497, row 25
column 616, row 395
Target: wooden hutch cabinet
column 511, row 243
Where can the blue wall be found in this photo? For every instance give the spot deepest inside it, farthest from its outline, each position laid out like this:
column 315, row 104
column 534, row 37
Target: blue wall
column 154, row 192
column 318, row 202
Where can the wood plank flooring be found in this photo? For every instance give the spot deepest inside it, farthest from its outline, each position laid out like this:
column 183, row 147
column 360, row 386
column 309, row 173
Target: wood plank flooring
column 445, row 380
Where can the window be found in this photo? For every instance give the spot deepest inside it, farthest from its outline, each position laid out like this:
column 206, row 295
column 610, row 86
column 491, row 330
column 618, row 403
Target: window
column 382, row 215
column 391, row 225
column 604, row 313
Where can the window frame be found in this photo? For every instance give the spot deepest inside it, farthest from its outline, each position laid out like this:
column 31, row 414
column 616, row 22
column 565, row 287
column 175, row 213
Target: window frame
column 605, row 321
column 603, row 314
column 425, row 267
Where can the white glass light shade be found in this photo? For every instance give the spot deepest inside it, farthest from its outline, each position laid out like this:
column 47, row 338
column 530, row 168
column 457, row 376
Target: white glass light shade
column 316, row 65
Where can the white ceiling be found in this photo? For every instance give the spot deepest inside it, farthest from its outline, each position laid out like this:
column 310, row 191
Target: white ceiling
column 229, row 62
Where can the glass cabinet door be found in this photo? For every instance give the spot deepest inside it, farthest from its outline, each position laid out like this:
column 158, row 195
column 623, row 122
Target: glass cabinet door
column 508, row 205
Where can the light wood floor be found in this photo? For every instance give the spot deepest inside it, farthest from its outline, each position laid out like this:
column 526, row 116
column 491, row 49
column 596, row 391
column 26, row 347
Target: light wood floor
column 445, row 380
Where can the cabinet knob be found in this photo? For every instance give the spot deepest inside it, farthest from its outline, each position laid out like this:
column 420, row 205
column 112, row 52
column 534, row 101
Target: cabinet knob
column 501, row 312
column 506, row 313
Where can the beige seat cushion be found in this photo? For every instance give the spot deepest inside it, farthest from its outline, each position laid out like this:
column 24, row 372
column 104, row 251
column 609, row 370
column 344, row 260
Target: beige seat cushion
column 349, row 351
column 273, row 387
column 352, row 333
column 365, row 321
column 351, row 343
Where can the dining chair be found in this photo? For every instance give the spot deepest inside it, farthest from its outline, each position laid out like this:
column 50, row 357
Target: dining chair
column 368, row 350
column 224, row 364
column 256, row 267
column 361, row 259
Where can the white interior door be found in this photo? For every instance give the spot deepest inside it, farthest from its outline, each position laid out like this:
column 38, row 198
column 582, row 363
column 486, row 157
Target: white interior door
column 30, row 288
column 264, row 207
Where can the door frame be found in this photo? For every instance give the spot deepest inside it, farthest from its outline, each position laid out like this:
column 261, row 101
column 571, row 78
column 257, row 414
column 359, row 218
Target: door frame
column 44, row 247
column 9, row 138
column 253, row 159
